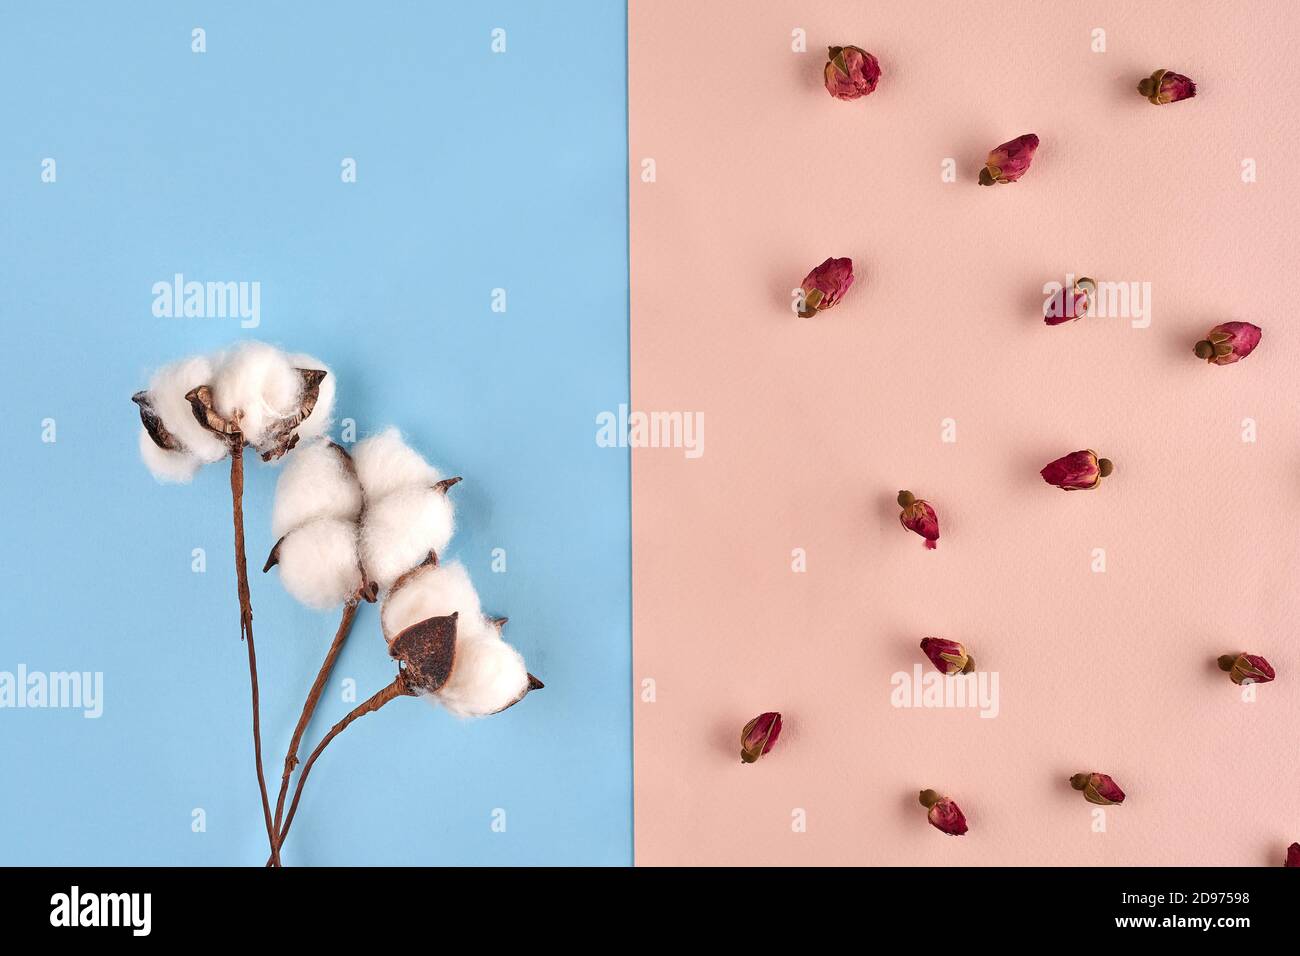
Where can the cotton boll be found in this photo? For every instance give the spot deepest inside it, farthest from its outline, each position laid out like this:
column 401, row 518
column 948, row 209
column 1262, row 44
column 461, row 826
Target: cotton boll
column 321, row 417
column 431, row 591
column 177, row 467
column 257, row 381
column 401, row 529
column 167, row 391
column 488, row 675
column 386, row 463
column 318, row 563
column 318, row 482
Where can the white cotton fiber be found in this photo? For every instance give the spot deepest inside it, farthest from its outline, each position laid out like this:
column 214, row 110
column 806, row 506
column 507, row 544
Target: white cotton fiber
column 386, row 463
column 177, row 467
column 321, row 417
column 400, row 529
column 167, row 391
column 487, row 675
column 318, row 563
column 317, row 482
column 258, row 382
column 431, row 591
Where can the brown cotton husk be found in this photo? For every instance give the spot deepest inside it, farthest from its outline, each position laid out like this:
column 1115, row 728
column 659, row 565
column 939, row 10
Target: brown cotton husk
column 205, row 412
column 282, row 436
column 430, row 561
column 153, row 424
column 349, row 465
column 427, row 651
column 273, row 558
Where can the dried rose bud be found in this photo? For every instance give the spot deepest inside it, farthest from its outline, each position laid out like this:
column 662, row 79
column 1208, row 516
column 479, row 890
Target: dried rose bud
column 943, row 813
column 918, row 516
column 1247, row 668
column 826, row 285
column 1098, row 788
column 949, row 656
column 1228, row 343
column 1070, row 304
column 1165, row 86
column 759, row 736
column 1009, row 161
column 851, row 72
column 1079, row 470
column 1292, row 855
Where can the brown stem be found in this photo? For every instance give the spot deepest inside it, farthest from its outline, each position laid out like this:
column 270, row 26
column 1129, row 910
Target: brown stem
column 398, row 688
column 308, row 709
column 246, row 617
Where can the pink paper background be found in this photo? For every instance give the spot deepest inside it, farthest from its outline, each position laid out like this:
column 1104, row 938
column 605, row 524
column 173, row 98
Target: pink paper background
column 813, row 425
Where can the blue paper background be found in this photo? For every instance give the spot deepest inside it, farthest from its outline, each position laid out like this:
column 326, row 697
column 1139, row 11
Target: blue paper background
column 475, row 171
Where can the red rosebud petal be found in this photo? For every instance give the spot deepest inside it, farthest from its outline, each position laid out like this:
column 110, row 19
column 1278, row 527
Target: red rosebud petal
column 851, row 72
column 1175, row 87
column 1247, row 668
column 918, row 515
column 1228, row 343
column 948, row 656
column 1166, row 86
column 1098, row 788
column 1292, row 855
column 1101, row 788
column 943, row 813
column 759, row 736
column 826, row 285
column 1076, row 471
column 1069, row 305
column 1009, row 161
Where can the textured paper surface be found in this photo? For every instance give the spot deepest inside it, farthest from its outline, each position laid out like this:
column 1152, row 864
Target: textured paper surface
column 813, row 425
